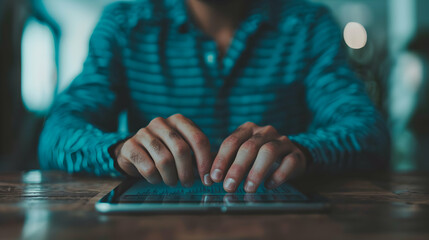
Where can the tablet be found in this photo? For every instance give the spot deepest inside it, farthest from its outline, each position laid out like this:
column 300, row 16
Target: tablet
column 137, row 195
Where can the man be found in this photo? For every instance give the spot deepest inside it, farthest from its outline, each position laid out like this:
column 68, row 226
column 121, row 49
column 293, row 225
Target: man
column 258, row 83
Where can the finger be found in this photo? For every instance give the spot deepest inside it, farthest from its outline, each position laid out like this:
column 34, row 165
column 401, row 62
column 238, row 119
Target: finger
column 198, row 141
column 293, row 164
column 128, row 167
column 161, row 156
column 228, row 150
column 135, row 161
column 267, row 155
column 178, row 147
column 246, row 155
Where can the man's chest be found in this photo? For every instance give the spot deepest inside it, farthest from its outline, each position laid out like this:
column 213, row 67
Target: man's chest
column 259, row 78
column 260, row 59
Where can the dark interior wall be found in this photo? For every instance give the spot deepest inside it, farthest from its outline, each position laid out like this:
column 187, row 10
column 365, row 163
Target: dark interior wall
column 423, row 16
column 18, row 126
column 11, row 18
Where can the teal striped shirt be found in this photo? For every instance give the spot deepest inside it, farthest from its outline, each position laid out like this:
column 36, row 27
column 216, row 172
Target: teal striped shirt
column 285, row 67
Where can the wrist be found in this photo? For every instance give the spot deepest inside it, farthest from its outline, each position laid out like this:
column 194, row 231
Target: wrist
column 307, row 155
column 115, row 149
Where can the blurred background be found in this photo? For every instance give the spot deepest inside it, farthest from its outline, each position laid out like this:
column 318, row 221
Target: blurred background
column 43, row 44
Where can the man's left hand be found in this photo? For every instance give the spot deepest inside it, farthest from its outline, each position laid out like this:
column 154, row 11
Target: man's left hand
column 254, row 149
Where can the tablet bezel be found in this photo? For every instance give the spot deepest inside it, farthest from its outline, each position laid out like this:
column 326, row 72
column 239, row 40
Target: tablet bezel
column 110, row 204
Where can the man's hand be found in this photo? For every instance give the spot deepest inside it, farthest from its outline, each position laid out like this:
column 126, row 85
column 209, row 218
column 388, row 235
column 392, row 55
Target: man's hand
column 256, row 148
column 163, row 151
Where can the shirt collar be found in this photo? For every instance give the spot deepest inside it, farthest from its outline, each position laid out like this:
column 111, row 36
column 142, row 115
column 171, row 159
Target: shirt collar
column 177, row 12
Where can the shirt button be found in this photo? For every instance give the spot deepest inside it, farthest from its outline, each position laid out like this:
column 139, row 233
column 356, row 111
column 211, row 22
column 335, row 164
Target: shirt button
column 210, row 58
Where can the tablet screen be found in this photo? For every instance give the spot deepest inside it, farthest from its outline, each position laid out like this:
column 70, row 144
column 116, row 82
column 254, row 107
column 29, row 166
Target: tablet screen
column 144, row 192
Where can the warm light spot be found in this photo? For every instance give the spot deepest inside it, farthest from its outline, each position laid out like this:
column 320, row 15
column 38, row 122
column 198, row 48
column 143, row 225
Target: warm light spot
column 38, row 66
column 355, row 35
column 32, row 177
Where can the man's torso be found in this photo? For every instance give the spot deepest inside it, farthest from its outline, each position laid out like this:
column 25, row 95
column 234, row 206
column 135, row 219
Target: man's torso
column 172, row 67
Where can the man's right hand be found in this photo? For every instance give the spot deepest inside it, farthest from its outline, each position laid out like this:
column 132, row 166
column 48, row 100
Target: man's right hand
column 163, row 151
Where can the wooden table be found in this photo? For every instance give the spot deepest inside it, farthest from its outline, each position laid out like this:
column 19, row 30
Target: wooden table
column 54, row 205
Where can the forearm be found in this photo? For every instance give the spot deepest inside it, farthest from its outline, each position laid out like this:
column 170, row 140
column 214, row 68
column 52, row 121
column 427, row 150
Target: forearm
column 83, row 121
column 359, row 144
column 71, row 144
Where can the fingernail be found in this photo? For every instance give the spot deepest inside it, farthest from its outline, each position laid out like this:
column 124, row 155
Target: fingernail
column 216, row 175
column 250, row 187
column 271, row 184
column 230, row 184
column 207, row 180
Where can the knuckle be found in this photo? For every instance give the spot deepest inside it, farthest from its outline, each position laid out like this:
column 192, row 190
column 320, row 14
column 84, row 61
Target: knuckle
column 249, row 125
column 257, row 136
column 270, row 129
column 200, row 139
column 269, row 148
column 280, row 176
column 181, row 149
column 177, row 116
column 236, row 170
column 249, row 146
column 283, row 138
column 174, row 135
column 155, row 144
column 220, row 162
column 142, row 132
column 127, row 147
column 122, row 161
column 165, row 161
column 156, row 121
column 232, row 141
column 135, row 157
column 255, row 176
column 149, row 171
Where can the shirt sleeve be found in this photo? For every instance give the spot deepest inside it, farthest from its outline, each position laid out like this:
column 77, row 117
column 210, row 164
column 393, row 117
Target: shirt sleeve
column 82, row 124
column 346, row 130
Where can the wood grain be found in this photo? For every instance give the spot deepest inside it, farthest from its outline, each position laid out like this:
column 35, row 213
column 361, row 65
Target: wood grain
column 55, row 205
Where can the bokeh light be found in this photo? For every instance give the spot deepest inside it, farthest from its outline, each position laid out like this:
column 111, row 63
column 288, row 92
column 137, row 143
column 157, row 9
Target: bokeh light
column 355, row 35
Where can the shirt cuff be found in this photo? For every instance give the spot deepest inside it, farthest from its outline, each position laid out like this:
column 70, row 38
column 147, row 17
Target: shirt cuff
column 107, row 142
column 310, row 147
